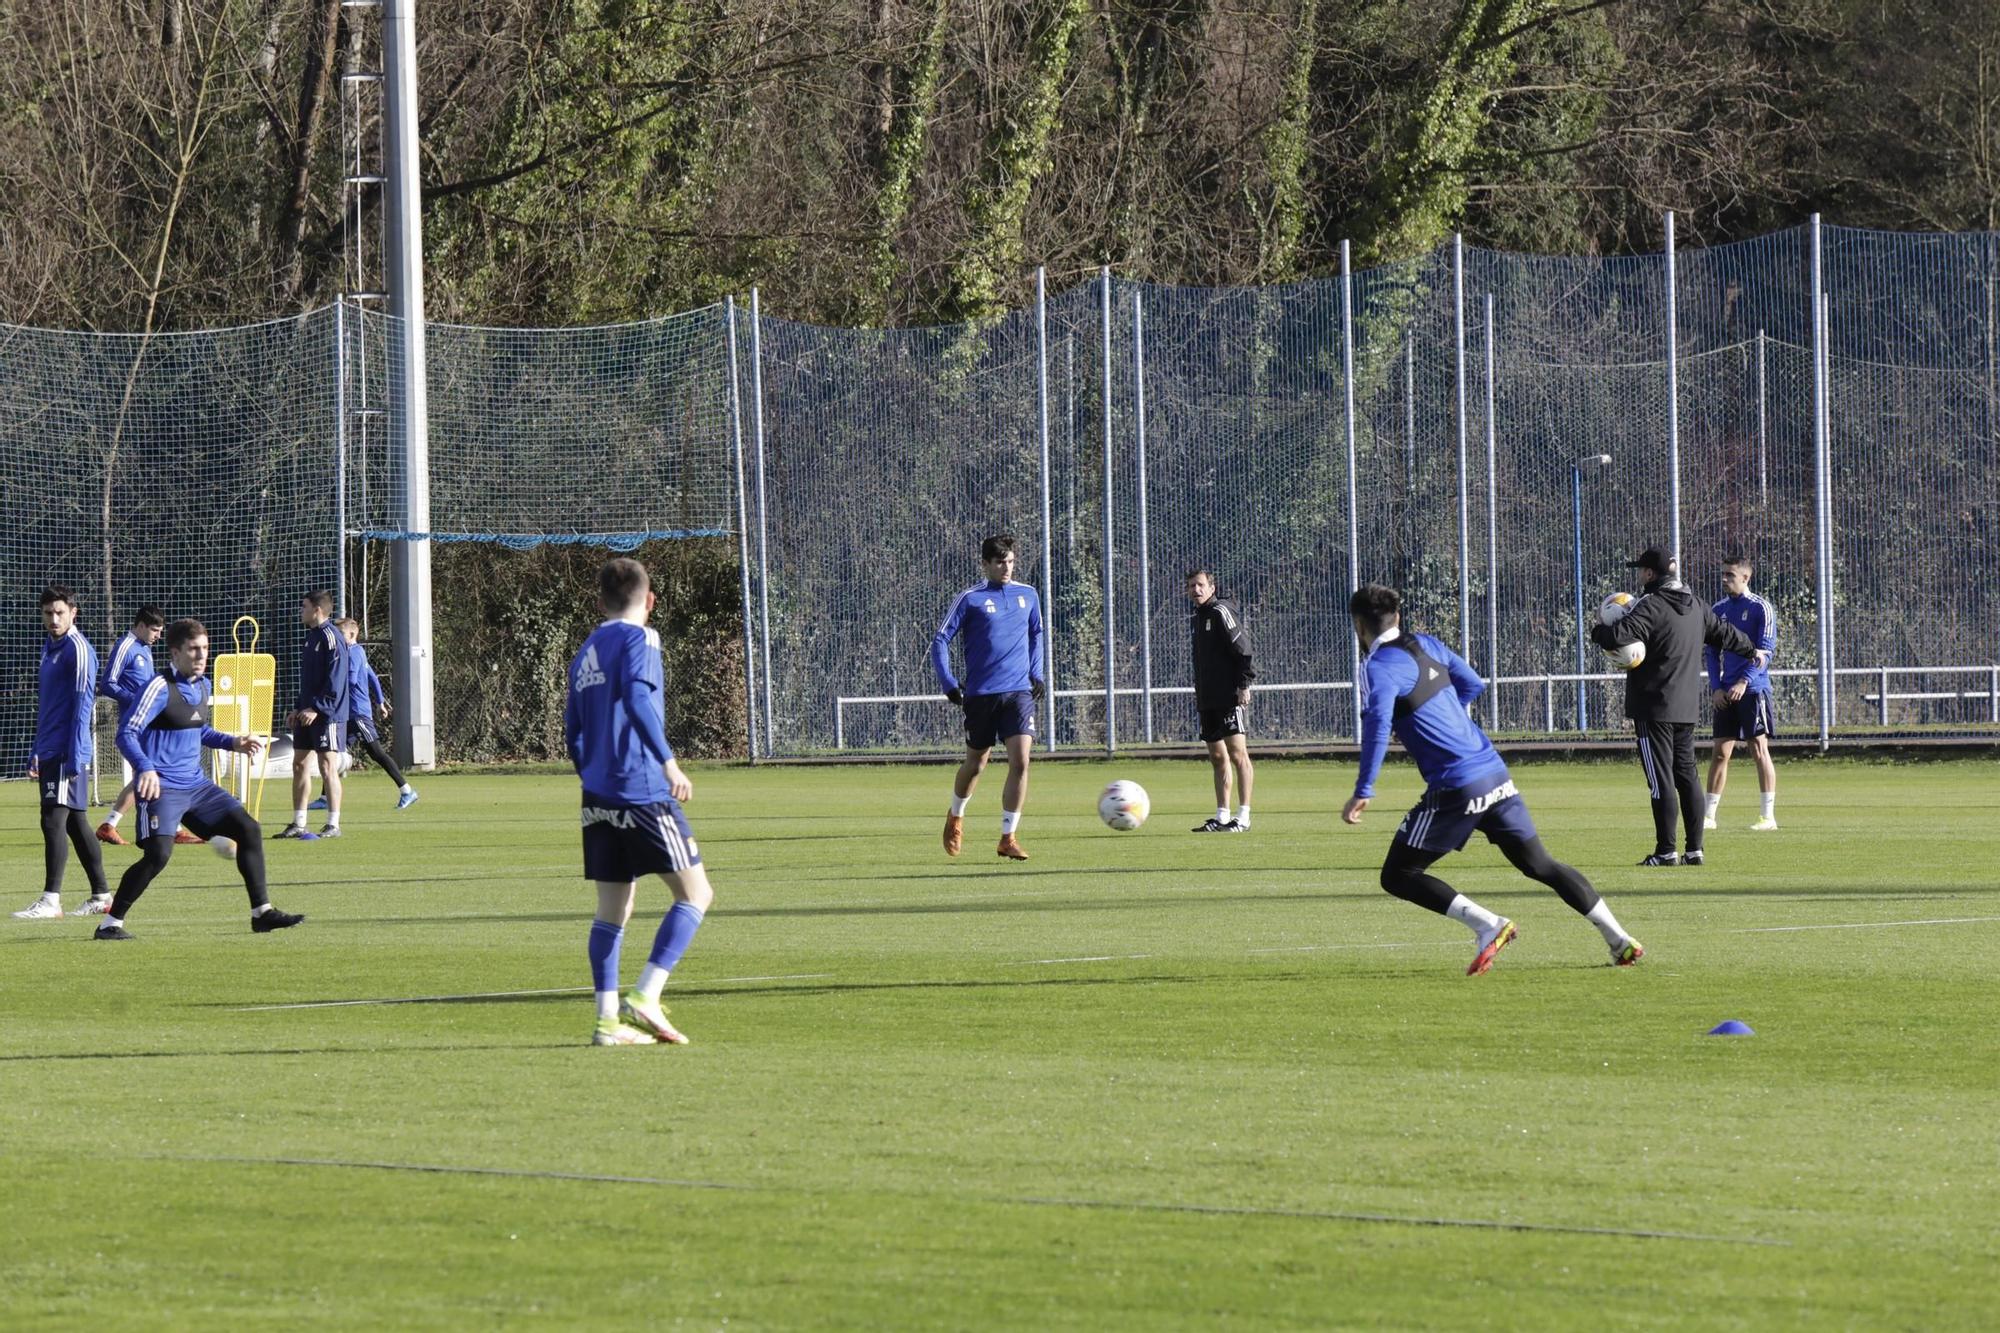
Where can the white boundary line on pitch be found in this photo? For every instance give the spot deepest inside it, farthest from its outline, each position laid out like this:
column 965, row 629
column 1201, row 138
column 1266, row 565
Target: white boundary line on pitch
column 1866, row 925
column 493, row 995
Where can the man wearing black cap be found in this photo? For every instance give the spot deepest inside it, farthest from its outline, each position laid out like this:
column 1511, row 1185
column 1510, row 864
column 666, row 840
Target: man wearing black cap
column 1665, row 692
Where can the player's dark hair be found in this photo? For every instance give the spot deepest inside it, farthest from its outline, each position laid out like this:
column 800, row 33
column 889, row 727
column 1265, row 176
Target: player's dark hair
column 58, row 592
column 1375, row 605
column 620, row 583
column 149, row 615
column 1202, row 571
column 183, row 632
column 321, row 598
column 999, row 544
column 1738, row 561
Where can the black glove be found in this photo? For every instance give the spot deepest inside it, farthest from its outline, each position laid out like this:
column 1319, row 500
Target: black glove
column 1039, row 689
column 955, row 695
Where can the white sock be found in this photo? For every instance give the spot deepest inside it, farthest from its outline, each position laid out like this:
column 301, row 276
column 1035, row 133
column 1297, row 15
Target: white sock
column 1714, row 800
column 1770, row 804
column 113, row 818
column 652, row 980
column 260, row 910
column 407, row 789
column 607, row 1004
column 333, row 819
column 115, row 922
column 958, row 804
column 1009, row 821
column 1607, row 924
column 1243, row 815
column 299, row 817
column 1472, row 916
column 1222, row 814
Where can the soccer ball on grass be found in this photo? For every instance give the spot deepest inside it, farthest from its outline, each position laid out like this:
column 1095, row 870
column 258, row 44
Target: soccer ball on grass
column 1124, row 805
column 223, row 847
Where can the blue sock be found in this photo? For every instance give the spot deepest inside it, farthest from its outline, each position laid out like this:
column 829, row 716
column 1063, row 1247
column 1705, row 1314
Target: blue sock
column 605, row 939
column 676, row 933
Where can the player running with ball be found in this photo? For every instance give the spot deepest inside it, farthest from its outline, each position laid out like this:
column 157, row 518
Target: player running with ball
column 1419, row 689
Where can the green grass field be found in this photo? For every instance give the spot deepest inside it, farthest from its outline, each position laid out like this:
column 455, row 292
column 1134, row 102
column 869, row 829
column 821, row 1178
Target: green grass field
column 1143, row 1080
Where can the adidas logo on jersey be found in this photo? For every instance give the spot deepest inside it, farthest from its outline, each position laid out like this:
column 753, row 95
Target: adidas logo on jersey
column 990, row 608
column 588, row 673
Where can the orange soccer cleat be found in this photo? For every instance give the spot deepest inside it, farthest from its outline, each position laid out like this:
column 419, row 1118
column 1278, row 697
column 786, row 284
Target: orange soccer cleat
column 954, row 834
column 1010, row 847
column 108, row 832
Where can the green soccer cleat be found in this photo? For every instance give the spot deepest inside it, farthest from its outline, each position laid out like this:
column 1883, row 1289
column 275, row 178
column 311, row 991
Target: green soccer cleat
column 650, row 1017
column 1764, row 826
column 611, row 1032
column 1490, row 947
column 1628, row 953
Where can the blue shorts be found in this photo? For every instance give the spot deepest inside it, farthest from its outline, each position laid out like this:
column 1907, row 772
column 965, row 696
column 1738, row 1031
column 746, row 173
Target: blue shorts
column 68, row 787
column 1444, row 820
column 992, row 718
column 201, row 808
column 359, row 729
column 323, row 734
column 621, row 843
column 1747, row 718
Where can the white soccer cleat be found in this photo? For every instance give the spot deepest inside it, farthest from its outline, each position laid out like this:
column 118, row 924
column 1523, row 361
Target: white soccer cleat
column 94, row 906
column 44, row 908
column 650, row 1017
column 1708, row 824
column 1764, row 826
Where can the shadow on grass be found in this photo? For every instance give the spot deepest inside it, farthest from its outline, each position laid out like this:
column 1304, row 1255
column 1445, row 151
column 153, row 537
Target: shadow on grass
column 286, row 1050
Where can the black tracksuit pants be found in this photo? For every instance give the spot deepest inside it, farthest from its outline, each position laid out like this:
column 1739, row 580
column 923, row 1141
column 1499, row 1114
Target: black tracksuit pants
column 1666, row 753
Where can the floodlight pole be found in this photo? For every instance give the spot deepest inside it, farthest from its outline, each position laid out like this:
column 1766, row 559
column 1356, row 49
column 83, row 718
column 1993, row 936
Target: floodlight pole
column 409, row 417
column 1673, row 400
column 1110, row 583
column 1048, row 543
column 1464, row 502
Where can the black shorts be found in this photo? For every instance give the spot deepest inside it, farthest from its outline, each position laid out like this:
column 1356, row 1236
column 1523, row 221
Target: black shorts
column 1446, row 818
column 1218, row 723
column 322, row 734
column 1746, row 719
column 993, row 718
column 359, row 730
column 621, row 843
column 68, row 786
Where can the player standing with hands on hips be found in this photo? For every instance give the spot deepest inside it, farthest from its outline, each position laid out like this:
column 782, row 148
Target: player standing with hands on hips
column 1002, row 624
column 1664, row 694
column 1222, row 676
column 64, row 748
column 1742, row 694
column 615, row 728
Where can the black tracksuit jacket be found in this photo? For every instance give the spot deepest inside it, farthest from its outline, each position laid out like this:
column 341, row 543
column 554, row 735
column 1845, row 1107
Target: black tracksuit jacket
column 1671, row 685
column 1221, row 654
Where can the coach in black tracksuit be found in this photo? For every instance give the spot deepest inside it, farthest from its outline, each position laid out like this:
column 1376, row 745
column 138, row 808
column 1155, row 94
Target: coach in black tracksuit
column 1222, row 676
column 1665, row 694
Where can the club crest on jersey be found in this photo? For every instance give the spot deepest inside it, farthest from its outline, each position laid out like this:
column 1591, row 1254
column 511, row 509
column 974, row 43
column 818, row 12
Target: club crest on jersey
column 1021, row 602
column 588, row 672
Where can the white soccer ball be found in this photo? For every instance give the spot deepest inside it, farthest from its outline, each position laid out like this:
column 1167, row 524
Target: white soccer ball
column 223, row 847
column 1124, row 805
column 1626, row 656
column 1614, row 608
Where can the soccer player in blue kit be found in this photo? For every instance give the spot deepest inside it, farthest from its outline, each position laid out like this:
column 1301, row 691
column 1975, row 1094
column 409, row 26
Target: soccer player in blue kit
column 319, row 718
column 1001, row 621
column 127, row 672
column 162, row 737
column 1741, row 689
column 1418, row 689
column 364, row 696
column 615, row 726
column 64, row 749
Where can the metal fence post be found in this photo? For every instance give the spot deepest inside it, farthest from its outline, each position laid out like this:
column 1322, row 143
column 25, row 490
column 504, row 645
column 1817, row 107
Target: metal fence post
column 763, row 512
column 1826, row 521
column 734, row 401
column 1763, row 476
column 1353, row 492
column 1821, row 584
column 1145, row 557
column 1048, row 542
column 1492, row 535
column 1673, row 403
column 340, row 454
column 1464, row 503
column 1110, row 583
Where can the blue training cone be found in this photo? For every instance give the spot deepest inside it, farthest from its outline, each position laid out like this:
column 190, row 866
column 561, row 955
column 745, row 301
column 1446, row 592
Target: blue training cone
column 1731, row 1028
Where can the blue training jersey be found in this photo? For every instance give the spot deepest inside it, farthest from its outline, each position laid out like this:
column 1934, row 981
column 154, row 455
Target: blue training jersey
column 1002, row 627
column 1751, row 614
column 615, row 721
column 364, row 687
column 127, row 671
column 166, row 728
column 64, row 703
column 1448, row 746
column 323, row 671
